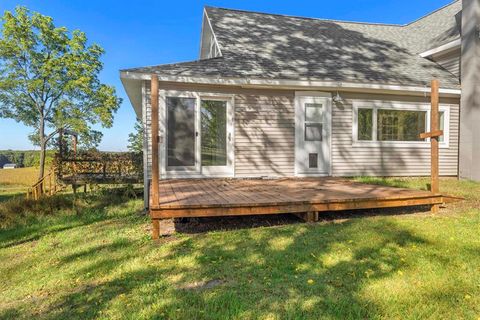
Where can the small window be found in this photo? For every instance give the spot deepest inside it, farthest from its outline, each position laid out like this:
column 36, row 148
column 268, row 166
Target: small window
column 313, row 132
column 313, row 112
column 313, row 160
column 365, row 124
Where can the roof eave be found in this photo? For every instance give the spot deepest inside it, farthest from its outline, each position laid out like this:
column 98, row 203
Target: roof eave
column 443, row 49
column 298, row 84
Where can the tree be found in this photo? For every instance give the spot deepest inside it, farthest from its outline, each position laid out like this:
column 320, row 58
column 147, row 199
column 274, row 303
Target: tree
column 135, row 139
column 49, row 80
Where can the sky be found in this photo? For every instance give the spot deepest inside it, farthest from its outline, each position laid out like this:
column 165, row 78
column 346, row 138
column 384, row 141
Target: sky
column 150, row 32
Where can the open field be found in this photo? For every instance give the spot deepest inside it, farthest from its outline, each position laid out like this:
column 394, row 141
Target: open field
column 14, row 182
column 19, row 177
column 95, row 260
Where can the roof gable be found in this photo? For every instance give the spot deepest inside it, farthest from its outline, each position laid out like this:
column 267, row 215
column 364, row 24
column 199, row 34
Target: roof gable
column 277, row 47
column 288, row 47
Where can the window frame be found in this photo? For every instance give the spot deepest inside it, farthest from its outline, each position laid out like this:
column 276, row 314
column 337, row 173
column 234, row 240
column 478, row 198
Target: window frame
column 199, row 170
column 314, row 123
column 376, row 105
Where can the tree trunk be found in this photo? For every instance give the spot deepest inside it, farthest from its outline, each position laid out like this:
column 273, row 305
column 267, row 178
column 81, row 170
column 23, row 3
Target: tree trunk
column 42, row 161
column 43, row 146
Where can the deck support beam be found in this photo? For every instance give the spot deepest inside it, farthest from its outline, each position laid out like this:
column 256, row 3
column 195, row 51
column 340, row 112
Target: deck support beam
column 155, row 229
column 310, row 216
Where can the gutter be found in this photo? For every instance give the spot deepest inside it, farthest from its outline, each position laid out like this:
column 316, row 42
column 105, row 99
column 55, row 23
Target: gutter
column 296, row 84
column 445, row 48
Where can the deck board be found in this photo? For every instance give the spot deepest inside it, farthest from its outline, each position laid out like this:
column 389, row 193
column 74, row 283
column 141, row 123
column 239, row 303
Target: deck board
column 216, row 197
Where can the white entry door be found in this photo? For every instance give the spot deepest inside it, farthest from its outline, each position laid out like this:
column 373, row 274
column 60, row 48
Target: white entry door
column 312, row 135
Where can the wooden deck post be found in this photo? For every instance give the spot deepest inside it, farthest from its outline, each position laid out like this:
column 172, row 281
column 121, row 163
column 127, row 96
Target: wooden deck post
column 154, row 194
column 435, row 133
column 155, row 229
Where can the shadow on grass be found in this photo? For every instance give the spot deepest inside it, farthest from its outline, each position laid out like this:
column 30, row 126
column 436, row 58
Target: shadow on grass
column 391, row 182
column 9, row 196
column 29, row 220
column 253, row 269
column 202, row 225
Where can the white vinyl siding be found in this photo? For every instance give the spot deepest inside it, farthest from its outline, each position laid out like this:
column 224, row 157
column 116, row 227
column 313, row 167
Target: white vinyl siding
column 449, row 61
column 265, row 135
column 353, row 158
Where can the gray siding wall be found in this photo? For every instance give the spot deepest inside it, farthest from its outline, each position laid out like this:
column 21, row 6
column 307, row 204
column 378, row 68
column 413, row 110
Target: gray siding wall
column 265, row 136
column 349, row 160
column 264, row 133
column 450, row 61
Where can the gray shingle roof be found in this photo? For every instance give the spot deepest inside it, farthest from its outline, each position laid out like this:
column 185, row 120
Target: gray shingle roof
column 437, row 28
column 267, row 46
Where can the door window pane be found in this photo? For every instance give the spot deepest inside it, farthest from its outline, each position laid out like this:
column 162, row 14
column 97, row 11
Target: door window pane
column 214, row 132
column 313, row 112
column 313, row 132
column 180, row 131
column 365, row 124
column 400, row 125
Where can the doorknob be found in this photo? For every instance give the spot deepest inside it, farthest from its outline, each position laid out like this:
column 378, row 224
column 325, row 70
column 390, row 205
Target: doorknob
column 196, row 133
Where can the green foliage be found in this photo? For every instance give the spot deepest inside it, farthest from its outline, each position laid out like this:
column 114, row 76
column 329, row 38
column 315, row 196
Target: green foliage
column 135, row 139
column 49, row 79
column 29, row 158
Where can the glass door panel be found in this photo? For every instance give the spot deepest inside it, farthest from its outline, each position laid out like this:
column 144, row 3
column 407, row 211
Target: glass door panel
column 181, row 132
column 214, row 133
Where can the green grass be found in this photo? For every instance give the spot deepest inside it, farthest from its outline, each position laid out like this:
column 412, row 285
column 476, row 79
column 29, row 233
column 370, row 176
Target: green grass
column 95, row 260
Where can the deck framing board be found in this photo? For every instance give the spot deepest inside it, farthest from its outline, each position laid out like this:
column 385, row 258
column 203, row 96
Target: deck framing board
column 226, row 197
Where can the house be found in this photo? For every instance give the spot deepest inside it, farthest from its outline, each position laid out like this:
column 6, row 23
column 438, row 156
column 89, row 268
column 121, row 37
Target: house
column 282, row 96
column 9, row 166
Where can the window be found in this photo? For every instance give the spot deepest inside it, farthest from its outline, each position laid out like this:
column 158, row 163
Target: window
column 313, row 122
column 400, row 125
column 365, row 124
column 396, row 124
column 441, row 124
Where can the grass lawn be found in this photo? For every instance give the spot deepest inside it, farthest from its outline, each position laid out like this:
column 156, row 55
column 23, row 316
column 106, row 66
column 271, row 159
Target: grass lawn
column 96, row 260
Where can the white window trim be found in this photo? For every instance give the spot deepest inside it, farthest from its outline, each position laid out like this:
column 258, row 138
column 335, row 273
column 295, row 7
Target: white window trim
column 197, row 171
column 375, row 105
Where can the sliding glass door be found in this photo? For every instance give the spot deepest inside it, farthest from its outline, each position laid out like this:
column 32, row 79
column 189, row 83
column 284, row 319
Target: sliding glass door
column 199, row 136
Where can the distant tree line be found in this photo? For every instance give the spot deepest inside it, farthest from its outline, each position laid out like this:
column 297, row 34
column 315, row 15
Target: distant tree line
column 24, row 158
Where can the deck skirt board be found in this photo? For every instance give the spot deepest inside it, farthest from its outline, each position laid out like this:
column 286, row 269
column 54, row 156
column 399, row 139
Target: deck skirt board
column 223, row 197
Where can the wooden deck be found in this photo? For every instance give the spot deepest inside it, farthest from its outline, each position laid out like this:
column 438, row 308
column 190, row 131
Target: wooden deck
column 226, row 197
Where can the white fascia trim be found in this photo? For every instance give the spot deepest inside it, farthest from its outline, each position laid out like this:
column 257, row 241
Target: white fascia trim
column 293, row 84
column 447, row 47
column 201, row 33
column 213, row 33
